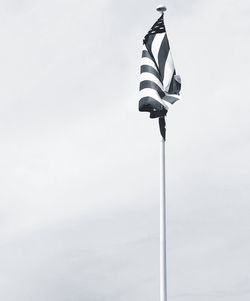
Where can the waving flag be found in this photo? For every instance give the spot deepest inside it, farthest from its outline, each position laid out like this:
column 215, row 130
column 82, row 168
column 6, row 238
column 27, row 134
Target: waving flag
column 159, row 85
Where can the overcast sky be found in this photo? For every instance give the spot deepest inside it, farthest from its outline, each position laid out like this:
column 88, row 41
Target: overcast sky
column 79, row 165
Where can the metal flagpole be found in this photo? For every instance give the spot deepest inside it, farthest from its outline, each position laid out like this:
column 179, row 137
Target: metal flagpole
column 163, row 206
column 163, row 228
column 163, row 216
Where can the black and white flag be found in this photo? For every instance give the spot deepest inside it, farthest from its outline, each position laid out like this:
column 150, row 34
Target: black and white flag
column 159, row 85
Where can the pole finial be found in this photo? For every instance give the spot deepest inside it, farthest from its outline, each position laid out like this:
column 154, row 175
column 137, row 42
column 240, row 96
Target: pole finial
column 161, row 8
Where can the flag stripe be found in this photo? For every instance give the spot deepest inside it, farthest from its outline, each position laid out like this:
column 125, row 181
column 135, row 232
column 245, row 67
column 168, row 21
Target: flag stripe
column 168, row 72
column 145, row 53
column 149, row 44
column 149, row 69
column 149, row 97
column 150, row 76
column 150, row 41
column 156, row 46
column 171, row 86
column 152, row 93
column 163, row 55
column 171, row 98
column 150, row 104
column 152, row 85
column 148, row 62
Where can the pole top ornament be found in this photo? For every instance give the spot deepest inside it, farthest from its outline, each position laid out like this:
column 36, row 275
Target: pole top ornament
column 161, row 8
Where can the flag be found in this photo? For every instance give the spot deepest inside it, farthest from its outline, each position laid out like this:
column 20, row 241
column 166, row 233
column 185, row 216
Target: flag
column 159, row 84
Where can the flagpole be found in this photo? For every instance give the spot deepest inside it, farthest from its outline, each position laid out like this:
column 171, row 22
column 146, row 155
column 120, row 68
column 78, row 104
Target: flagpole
column 163, row 226
column 163, row 205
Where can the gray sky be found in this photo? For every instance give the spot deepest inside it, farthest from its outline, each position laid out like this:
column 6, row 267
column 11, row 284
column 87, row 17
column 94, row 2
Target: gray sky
column 80, row 166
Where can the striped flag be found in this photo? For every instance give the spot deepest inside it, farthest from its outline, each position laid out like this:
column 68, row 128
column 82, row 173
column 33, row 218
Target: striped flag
column 159, row 85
